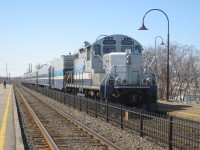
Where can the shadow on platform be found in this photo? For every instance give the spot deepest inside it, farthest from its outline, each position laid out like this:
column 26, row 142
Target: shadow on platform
column 171, row 106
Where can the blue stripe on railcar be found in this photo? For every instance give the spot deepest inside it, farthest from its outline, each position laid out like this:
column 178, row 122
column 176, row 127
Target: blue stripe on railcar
column 59, row 78
column 60, row 72
column 79, row 69
column 87, row 82
column 58, row 84
column 43, row 81
column 46, row 75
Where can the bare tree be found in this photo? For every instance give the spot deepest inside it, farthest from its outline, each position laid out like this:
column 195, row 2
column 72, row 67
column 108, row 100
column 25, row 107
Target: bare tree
column 38, row 66
column 184, row 70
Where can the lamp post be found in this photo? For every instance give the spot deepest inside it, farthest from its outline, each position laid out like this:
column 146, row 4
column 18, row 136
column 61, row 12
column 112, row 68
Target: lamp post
column 162, row 43
column 144, row 28
column 156, row 65
column 6, row 71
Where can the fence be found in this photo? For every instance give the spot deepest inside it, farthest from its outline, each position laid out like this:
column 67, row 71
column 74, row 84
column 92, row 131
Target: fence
column 175, row 132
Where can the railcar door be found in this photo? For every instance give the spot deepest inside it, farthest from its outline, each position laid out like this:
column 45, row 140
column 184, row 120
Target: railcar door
column 52, row 76
column 37, row 78
column 49, row 76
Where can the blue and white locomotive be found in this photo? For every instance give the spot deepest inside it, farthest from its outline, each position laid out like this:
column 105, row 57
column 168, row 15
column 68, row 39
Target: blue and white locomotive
column 110, row 69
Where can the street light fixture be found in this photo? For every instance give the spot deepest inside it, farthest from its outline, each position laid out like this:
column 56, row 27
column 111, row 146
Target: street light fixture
column 144, row 28
column 156, row 57
column 101, row 35
column 162, row 43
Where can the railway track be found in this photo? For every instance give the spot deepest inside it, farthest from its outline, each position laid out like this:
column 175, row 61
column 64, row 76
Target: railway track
column 57, row 129
column 36, row 136
column 175, row 132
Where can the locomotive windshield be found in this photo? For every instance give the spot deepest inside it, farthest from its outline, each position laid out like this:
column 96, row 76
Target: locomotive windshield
column 109, row 49
column 128, row 49
column 126, row 42
column 138, row 48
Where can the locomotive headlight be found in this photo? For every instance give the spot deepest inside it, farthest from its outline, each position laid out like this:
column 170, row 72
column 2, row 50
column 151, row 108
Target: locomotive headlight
column 149, row 81
column 118, row 81
column 128, row 57
column 128, row 62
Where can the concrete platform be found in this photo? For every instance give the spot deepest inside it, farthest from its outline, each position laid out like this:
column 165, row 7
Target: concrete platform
column 191, row 112
column 10, row 132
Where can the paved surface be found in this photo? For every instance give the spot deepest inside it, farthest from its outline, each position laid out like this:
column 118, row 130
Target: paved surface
column 10, row 133
column 191, row 112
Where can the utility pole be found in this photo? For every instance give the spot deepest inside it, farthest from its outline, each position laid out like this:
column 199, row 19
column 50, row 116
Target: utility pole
column 6, row 71
column 29, row 68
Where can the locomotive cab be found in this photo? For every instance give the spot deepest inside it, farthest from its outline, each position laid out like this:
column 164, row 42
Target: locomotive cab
column 124, row 80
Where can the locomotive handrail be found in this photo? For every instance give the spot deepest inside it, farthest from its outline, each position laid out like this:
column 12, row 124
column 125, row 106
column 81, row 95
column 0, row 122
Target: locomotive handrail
column 107, row 76
column 103, row 80
column 105, row 84
column 151, row 62
column 100, row 58
column 148, row 70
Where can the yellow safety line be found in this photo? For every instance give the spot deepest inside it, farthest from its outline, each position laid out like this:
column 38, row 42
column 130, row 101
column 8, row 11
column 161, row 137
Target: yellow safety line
column 3, row 126
column 188, row 114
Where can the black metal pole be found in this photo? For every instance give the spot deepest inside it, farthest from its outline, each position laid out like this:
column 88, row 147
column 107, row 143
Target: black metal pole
column 106, row 110
column 170, row 132
column 168, row 65
column 80, row 103
column 121, row 117
column 141, row 123
column 144, row 28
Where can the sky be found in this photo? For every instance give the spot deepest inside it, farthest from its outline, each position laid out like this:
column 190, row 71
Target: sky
column 38, row 31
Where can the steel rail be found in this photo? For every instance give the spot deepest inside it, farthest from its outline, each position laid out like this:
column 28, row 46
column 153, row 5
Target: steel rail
column 95, row 135
column 111, row 146
column 45, row 133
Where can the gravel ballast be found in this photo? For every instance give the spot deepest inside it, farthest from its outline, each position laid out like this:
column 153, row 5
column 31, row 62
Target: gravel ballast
column 125, row 138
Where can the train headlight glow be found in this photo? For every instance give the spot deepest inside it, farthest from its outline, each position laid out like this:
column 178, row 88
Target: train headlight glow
column 128, row 62
column 128, row 57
